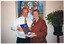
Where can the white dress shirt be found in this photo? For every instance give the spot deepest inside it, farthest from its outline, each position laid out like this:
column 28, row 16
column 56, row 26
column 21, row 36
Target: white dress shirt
column 18, row 22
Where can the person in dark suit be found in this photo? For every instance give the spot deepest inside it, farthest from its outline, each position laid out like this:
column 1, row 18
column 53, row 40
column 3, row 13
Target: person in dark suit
column 38, row 28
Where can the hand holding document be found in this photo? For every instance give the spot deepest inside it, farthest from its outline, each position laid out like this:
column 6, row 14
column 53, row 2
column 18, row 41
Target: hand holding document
column 33, row 35
column 25, row 28
column 20, row 29
column 30, row 34
column 27, row 31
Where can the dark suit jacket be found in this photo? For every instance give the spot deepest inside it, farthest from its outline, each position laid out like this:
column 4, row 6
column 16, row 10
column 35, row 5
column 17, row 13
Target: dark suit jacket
column 40, row 29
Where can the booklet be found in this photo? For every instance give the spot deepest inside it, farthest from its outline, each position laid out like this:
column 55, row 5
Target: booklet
column 29, row 34
column 25, row 28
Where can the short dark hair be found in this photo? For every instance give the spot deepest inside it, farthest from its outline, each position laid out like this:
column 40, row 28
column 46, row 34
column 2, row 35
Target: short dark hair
column 25, row 8
column 36, row 10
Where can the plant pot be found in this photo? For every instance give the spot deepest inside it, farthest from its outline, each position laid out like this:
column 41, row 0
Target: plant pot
column 58, row 30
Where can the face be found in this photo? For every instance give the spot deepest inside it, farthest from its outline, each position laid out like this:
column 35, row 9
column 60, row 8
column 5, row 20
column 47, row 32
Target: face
column 36, row 15
column 25, row 13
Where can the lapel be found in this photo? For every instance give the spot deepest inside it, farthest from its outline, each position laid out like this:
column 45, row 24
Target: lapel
column 35, row 25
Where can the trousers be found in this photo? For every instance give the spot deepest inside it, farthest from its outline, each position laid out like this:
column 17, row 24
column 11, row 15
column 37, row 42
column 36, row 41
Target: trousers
column 22, row 40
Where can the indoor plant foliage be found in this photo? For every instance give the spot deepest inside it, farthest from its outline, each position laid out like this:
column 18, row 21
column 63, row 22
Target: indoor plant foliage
column 55, row 18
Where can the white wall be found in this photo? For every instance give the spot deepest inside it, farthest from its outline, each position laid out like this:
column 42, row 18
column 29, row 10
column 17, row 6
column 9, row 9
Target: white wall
column 63, row 22
column 0, row 22
column 9, row 14
column 52, row 6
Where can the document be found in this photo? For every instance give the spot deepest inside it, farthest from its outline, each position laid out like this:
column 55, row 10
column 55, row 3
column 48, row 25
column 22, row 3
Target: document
column 25, row 28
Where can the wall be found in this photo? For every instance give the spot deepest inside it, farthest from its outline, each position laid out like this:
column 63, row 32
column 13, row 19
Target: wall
column 0, row 21
column 52, row 6
column 9, row 14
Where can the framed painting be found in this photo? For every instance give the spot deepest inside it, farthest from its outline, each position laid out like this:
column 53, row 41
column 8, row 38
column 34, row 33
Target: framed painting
column 31, row 5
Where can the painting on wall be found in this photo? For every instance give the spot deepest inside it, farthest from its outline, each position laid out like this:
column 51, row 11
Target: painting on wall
column 31, row 5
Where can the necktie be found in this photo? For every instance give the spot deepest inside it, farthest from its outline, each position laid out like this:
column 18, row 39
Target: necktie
column 25, row 21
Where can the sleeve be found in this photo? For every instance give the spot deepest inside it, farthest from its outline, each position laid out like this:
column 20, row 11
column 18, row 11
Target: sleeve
column 15, row 25
column 43, row 32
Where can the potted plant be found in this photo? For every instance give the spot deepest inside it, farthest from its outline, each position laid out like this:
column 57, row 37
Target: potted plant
column 56, row 19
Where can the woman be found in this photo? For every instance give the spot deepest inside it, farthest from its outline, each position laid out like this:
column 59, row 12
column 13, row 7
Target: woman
column 38, row 28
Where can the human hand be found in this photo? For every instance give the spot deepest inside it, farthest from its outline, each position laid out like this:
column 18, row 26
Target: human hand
column 33, row 35
column 20, row 29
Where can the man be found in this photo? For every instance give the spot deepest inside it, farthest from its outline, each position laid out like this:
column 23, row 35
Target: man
column 21, row 38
